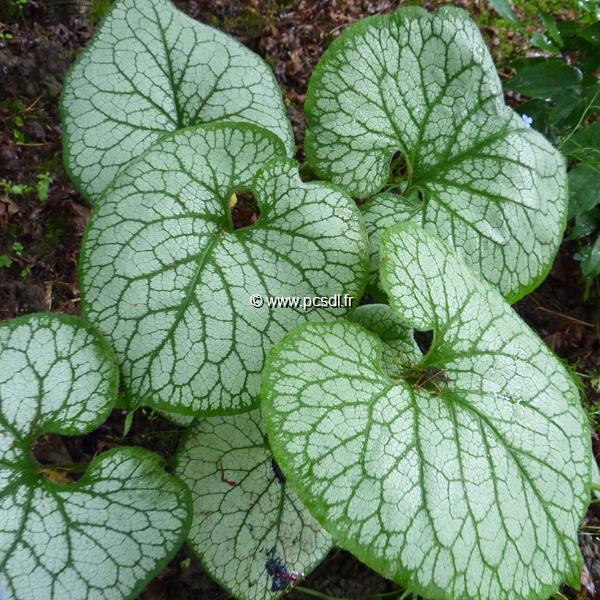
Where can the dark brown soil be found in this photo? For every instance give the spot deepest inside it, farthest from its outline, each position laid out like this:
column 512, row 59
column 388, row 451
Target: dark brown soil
column 42, row 236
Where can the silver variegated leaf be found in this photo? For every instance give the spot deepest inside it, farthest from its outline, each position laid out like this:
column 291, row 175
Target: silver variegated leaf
column 411, row 103
column 170, row 281
column 250, row 530
column 151, row 70
column 463, row 476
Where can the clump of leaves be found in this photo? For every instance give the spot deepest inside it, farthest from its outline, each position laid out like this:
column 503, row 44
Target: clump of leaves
column 112, row 530
column 564, row 104
column 460, row 471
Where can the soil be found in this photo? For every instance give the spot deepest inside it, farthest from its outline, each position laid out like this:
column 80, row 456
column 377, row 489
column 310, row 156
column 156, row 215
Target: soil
column 41, row 236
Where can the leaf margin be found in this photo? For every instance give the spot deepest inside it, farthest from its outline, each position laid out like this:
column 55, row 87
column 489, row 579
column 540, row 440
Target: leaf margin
column 130, row 399
column 194, row 551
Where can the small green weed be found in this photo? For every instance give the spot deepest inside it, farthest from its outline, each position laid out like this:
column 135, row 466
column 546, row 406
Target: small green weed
column 44, row 180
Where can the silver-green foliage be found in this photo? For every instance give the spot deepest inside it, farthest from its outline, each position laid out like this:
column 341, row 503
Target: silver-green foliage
column 169, row 280
column 249, row 529
column 463, row 476
column 150, row 70
column 106, row 535
column 424, row 85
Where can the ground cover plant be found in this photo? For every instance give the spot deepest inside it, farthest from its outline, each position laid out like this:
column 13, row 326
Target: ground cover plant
column 432, row 434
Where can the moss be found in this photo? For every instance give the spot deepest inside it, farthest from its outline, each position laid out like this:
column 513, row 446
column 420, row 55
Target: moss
column 98, row 10
column 529, row 10
column 54, row 231
column 507, row 41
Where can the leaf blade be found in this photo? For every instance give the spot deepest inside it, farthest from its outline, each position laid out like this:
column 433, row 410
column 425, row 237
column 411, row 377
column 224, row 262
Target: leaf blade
column 168, row 280
column 431, row 481
column 150, row 70
column 504, row 9
column 250, row 531
column 425, row 86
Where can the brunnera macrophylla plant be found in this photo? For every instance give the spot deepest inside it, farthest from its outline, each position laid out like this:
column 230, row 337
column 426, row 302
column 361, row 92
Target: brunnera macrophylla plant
column 407, row 110
column 463, row 475
column 105, row 535
column 168, row 279
column 150, row 70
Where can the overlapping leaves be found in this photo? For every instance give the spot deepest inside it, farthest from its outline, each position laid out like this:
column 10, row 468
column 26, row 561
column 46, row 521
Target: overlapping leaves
column 399, row 349
column 462, row 473
column 250, row 530
column 465, row 475
column 411, row 104
column 150, row 70
column 169, row 280
column 105, row 535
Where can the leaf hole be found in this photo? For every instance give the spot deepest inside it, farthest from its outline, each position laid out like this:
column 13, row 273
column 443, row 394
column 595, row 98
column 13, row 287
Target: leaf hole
column 243, row 210
column 398, row 168
column 56, row 461
column 424, row 340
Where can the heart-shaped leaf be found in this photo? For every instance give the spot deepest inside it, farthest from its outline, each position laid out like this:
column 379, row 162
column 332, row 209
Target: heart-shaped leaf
column 467, row 475
column 411, row 103
column 105, row 535
column 171, row 282
column 150, row 70
column 249, row 528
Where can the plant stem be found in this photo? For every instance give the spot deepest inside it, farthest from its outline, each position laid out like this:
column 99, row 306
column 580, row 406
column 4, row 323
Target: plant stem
column 316, row 594
column 582, row 118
